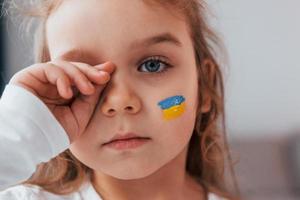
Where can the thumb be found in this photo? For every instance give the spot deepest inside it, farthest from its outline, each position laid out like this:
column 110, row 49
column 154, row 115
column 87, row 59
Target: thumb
column 84, row 106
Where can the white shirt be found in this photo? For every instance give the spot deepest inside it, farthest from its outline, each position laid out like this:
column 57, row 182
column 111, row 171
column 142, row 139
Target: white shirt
column 86, row 192
column 29, row 135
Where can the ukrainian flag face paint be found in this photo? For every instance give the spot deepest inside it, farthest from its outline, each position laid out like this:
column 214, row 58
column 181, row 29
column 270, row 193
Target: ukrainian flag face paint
column 172, row 107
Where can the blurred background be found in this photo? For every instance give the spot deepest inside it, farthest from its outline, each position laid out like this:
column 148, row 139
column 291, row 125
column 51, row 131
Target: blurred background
column 262, row 83
column 2, row 51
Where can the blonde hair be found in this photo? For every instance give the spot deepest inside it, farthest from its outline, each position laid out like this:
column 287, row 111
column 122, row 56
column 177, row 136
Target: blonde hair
column 208, row 147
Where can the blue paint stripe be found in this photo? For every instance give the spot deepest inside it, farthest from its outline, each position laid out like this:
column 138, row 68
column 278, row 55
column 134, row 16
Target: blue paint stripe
column 171, row 101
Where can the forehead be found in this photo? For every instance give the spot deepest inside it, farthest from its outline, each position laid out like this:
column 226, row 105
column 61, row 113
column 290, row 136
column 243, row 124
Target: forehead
column 92, row 23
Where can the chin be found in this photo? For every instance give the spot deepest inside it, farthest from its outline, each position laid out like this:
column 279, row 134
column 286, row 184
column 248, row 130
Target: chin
column 131, row 173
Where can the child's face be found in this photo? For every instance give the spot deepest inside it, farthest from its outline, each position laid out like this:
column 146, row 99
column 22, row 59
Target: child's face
column 106, row 31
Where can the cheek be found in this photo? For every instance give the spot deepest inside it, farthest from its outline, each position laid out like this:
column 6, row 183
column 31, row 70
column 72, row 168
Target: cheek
column 178, row 106
column 84, row 149
column 182, row 99
column 184, row 124
column 174, row 135
column 178, row 120
column 172, row 107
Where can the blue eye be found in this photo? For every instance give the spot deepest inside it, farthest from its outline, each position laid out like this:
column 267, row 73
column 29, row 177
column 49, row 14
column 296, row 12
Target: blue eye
column 155, row 65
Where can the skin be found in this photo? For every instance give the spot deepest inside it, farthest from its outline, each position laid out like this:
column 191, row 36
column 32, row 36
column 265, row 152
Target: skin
column 106, row 29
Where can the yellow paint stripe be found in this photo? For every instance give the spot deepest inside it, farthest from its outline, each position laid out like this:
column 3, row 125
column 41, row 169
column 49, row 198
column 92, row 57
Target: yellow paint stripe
column 174, row 111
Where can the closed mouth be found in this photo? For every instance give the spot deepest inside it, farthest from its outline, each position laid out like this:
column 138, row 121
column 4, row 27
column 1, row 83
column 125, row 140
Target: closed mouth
column 141, row 138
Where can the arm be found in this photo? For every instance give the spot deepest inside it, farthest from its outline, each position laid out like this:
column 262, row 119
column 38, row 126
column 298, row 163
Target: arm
column 29, row 135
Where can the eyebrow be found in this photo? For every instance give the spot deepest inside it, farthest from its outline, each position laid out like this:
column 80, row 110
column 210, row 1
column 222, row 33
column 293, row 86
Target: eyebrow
column 160, row 38
column 77, row 53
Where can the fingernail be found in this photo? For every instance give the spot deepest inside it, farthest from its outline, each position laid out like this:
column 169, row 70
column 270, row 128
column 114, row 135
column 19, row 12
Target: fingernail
column 106, row 75
column 102, row 66
column 99, row 65
column 103, row 73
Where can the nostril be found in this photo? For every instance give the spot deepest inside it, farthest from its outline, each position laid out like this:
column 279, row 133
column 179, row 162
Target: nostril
column 129, row 108
column 110, row 111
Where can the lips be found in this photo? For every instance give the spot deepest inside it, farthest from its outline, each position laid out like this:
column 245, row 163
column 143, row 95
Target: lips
column 127, row 136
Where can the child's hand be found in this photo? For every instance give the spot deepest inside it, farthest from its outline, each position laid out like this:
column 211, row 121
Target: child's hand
column 52, row 82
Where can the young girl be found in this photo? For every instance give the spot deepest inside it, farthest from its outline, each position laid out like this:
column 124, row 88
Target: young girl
column 122, row 104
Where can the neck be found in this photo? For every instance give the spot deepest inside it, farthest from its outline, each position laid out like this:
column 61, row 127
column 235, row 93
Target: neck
column 169, row 182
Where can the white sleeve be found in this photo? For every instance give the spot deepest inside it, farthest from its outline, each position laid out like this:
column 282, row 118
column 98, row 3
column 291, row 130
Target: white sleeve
column 18, row 192
column 29, row 135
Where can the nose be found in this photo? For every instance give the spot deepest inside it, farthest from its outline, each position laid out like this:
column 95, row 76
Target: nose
column 119, row 99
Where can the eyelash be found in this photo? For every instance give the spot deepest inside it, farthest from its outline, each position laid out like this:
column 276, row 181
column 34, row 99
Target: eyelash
column 160, row 60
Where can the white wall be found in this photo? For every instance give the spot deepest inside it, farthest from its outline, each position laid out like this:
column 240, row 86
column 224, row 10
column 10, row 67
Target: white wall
column 263, row 41
column 263, row 86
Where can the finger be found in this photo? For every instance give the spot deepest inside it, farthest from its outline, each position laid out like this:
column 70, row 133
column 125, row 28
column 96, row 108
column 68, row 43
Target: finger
column 42, row 89
column 94, row 74
column 84, row 106
column 43, row 80
column 58, row 77
column 93, row 99
column 107, row 66
column 27, row 79
column 81, row 81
